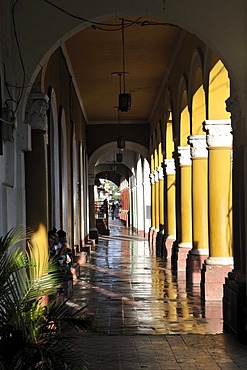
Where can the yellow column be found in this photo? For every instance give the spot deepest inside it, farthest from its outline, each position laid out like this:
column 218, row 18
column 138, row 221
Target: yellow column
column 199, row 155
column 152, row 199
column 157, row 200
column 185, row 202
column 219, row 140
column 171, row 187
column 36, row 164
column 161, row 196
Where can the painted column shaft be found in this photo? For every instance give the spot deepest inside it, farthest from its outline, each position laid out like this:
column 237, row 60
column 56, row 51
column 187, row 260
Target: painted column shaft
column 219, row 140
column 220, row 202
column 36, row 163
column 199, row 155
column 157, row 201
column 186, row 219
column 171, row 196
column 152, row 199
column 37, row 182
column 161, row 196
column 200, row 203
column 186, row 200
column 162, row 202
column 171, row 223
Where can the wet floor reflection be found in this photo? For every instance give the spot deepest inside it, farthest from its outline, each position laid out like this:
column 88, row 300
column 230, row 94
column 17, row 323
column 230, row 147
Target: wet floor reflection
column 130, row 292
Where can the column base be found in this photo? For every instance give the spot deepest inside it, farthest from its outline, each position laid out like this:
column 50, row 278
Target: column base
column 212, row 280
column 152, row 240
column 234, row 305
column 193, row 267
column 169, row 246
column 93, row 234
column 182, row 254
column 160, row 245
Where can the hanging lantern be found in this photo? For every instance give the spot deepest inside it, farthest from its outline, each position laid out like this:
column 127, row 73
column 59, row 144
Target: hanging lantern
column 124, row 102
column 120, row 142
column 119, row 157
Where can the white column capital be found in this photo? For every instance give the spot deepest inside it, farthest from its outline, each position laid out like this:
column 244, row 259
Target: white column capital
column 219, row 133
column 156, row 176
column 152, row 178
column 37, row 107
column 160, row 173
column 184, row 156
column 170, row 166
column 198, row 146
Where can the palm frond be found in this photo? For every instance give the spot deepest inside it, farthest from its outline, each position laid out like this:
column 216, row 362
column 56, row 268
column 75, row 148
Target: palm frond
column 31, row 329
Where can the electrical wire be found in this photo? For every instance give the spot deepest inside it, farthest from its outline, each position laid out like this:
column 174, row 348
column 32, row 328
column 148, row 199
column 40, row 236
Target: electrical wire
column 123, row 54
column 117, row 26
column 7, row 85
column 95, row 25
column 20, row 56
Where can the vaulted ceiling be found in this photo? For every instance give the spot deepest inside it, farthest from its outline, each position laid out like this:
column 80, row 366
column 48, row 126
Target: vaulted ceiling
column 96, row 55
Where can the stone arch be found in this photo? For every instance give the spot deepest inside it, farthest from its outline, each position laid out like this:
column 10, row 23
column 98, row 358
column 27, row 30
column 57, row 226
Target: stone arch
column 129, row 145
column 180, row 15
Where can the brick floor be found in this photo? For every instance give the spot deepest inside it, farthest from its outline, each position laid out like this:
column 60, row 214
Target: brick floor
column 144, row 318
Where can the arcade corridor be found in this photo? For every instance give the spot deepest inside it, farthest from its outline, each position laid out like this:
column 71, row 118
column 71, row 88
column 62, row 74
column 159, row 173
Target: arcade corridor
column 152, row 96
column 143, row 315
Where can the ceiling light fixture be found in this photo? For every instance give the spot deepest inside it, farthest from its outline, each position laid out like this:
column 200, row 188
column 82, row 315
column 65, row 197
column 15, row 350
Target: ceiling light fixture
column 124, row 99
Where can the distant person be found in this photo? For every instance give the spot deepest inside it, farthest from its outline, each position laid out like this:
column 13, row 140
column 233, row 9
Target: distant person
column 64, row 252
column 113, row 207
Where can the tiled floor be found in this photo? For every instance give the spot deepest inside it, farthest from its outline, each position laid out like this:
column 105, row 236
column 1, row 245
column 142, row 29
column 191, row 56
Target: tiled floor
column 143, row 315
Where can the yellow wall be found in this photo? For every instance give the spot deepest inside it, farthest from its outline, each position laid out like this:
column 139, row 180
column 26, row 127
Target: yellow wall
column 198, row 106
column 160, row 154
column 219, row 91
column 184, row 126
column 169, row 140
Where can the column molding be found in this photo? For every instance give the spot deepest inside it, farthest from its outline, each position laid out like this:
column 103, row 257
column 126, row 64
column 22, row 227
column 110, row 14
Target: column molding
column 160, row 171
column 218, row 133
column 37, row 107
column 156, row 176
column 198, row 146
column 152, row 179
column 170, row 166
column 184, row 156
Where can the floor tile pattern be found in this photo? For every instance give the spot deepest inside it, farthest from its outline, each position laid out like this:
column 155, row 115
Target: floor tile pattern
column 144, row 317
